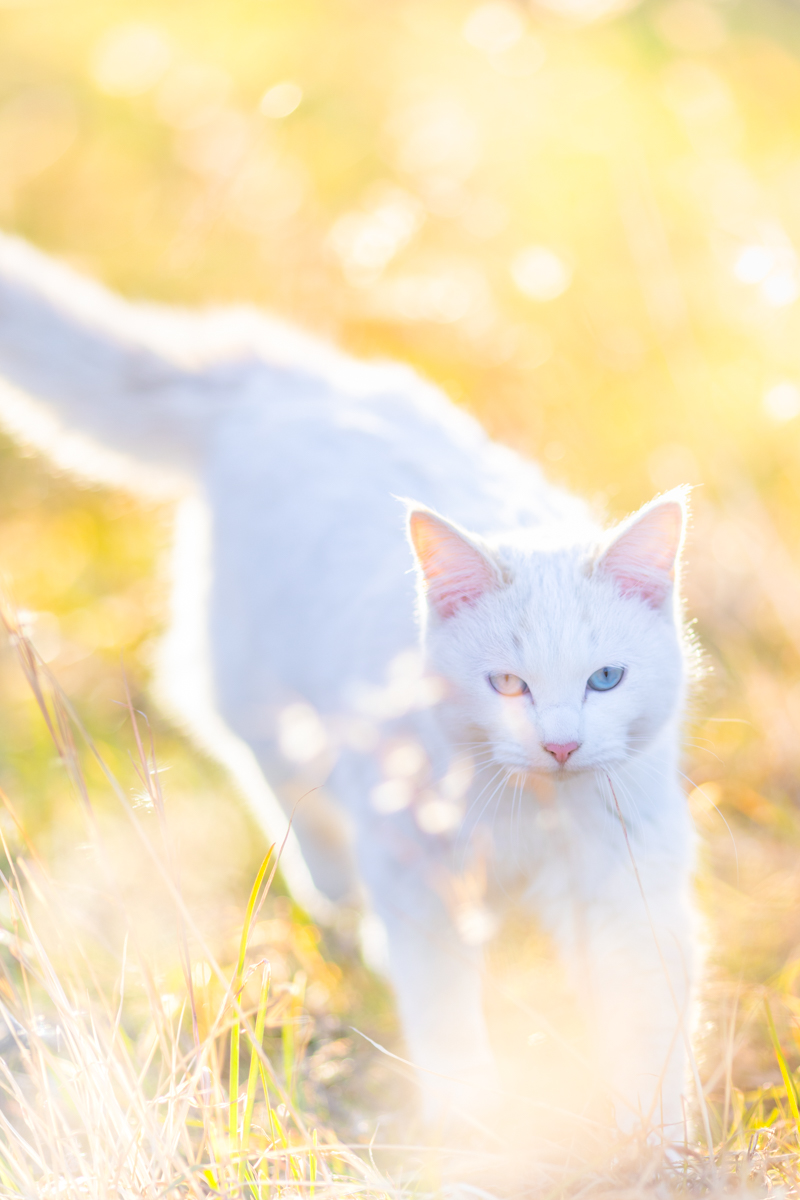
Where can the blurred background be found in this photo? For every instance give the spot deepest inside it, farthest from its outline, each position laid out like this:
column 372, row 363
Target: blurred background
column 581, row 218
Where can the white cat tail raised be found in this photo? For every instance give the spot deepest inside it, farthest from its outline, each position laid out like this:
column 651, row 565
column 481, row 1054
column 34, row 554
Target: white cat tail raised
column 644, row 554
column 85, row 380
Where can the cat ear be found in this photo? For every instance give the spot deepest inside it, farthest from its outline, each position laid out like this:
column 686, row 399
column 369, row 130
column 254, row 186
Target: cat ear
column 643, row 555
column 454, row 570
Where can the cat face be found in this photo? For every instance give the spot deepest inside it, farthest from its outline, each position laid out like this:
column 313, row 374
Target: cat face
column 563, row 661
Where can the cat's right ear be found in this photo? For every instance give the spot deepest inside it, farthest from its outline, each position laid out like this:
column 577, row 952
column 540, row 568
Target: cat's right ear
column 454, row 569
column 644, row 552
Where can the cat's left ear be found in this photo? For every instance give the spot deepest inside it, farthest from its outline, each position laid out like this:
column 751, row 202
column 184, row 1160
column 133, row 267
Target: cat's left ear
column 455, row 568
column 644, row 552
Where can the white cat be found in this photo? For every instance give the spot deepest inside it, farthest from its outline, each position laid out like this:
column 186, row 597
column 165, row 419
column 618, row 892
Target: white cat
column 514, row 710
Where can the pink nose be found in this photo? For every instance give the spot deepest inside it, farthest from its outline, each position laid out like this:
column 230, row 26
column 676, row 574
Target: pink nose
column 561, row 750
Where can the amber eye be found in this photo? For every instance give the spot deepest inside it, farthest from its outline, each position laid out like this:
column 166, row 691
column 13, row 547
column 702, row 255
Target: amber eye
column 508, row 685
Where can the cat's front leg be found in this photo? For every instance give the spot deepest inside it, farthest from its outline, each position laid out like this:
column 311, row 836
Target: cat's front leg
column 637, row 972
column 622, row 917
column 436, row 977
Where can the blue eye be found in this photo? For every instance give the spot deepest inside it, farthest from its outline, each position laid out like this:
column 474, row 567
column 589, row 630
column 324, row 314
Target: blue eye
column 605, row 679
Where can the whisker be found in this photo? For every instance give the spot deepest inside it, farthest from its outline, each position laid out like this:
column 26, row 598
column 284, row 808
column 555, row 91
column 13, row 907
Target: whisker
column 516, row 804
column 499, row 881
column 487, row 785
column 630, row 796
column 699, row 787
column 503, row 781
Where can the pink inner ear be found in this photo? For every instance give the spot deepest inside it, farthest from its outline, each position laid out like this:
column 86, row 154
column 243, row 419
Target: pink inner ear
column 642, row 559
column 455, row 571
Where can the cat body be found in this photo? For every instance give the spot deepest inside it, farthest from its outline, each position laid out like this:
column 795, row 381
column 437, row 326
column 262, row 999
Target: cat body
column 414, row 696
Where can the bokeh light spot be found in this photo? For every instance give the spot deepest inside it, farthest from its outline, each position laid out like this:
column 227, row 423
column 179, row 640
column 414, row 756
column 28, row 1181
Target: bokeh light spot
column 366, row 241
column 437, row 816
column 540, row 273
column 494, row 27
column 475, row 924
column 281, row 100
column 781, row 288
column 130, row 59
column 782, row 401
column 753, row 264
column 404, row 759
column 436, row 140
column 44, row 630
column 691, row 26
column 392, row 795
column 301, row 734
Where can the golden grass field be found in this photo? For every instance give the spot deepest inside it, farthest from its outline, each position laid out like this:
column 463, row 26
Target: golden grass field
column 582, row 220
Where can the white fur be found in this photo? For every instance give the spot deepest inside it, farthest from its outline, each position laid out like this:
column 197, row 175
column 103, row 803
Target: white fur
column 296, row 656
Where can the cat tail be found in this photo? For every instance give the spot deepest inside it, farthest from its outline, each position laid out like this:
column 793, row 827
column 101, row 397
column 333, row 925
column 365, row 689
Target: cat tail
column 105, row 387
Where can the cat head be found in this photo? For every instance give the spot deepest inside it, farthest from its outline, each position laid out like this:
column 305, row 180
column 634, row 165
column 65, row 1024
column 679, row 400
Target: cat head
column 563, row 660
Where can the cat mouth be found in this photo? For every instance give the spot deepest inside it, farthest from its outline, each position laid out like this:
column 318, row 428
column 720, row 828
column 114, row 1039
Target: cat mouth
column 559, row 770
column 568, row 769
column 549, row 770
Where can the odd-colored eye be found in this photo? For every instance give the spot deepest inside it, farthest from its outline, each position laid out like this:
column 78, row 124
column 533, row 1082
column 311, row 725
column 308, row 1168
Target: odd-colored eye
column 508, row 685
column 605, row 679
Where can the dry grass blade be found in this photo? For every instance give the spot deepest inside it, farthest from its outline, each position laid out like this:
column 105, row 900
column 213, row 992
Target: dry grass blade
column 79, row 1116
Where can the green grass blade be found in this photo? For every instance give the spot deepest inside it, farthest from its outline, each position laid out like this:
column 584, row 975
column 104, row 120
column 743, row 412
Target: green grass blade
column 265, row 1086
column 255, row 1063
column 233, row 1081
column 789, row 1084
column 233, row 1087
column 277, row 1130
column 248, row 915
column 312, row 1164
column 287, row 1041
